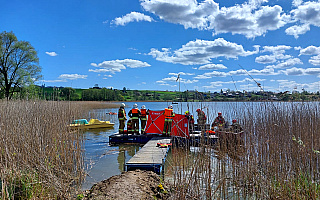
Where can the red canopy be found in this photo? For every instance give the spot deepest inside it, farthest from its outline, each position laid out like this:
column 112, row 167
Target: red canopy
column 155, row 124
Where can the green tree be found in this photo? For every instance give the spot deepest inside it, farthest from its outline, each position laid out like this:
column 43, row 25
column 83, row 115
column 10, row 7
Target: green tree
column 69, row 93
column 19, row 64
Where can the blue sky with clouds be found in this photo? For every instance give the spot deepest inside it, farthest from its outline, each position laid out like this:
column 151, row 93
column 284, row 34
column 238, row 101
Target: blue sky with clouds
column 145, row 44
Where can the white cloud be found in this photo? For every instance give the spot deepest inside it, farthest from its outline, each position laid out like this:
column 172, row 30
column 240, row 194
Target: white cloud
column 279, row 49
column 277, row 53
column 266, row 59
column 212, row 74
column 212, row 67
column 181, row 73
column 246, row 20
column 307, row 13
column 288, row 63
column 164, row 83
column 113, row 66
column 297, row 3
column 289, row 85
column 250, row 80
column 300, row 71
column 188, row 13
column 131, row 17
column 296, row 30
column 294, row 71
column 249, row 19
column 297, row 48
column 72, row 76
column 310, row 50
column 167, row 80
column 219, row 84
column 267, row 71
column 107, row 76
column 51, row 53
column 66, row 77
column 201, row 52
column 315, row 60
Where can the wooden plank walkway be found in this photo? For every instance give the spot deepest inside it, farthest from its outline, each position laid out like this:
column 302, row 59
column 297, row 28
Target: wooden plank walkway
column 150, row 156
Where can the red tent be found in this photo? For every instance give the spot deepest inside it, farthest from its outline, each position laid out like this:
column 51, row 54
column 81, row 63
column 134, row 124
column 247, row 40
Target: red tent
column 155, row 124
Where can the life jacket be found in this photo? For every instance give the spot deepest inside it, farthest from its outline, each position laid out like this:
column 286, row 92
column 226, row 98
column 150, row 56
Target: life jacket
column 135, row 112
column 121, row 113
column 168, row 113
column 143, row 113
column 210, row 132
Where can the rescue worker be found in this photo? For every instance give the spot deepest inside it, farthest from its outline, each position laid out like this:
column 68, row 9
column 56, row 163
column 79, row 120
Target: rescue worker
column 190, row 121
column 134, row 114
column 219, row 121
column 168, row 115
column 122, row 118
column 202, row 119
column 235, row 126
column 129, row 126
column 144, row 118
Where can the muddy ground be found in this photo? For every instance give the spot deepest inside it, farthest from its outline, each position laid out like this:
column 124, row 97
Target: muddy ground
column 137, row 184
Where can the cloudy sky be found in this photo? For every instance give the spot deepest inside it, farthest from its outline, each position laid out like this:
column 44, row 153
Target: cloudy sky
column 212, row 44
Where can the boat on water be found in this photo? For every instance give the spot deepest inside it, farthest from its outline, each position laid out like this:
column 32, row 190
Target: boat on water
column 93, row 123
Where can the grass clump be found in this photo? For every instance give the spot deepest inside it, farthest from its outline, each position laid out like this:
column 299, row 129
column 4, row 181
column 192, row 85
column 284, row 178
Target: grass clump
column 39, row 155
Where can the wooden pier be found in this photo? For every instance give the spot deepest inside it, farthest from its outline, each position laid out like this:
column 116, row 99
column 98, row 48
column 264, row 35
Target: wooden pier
column 150, row 157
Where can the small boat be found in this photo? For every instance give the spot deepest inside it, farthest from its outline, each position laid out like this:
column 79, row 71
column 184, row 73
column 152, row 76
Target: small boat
column 93, row 123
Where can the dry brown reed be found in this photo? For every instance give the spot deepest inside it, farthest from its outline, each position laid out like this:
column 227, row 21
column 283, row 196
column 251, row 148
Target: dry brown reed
column 277, row 159
column 39, row 155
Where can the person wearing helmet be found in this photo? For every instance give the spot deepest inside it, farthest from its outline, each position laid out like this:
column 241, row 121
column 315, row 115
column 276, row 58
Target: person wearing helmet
column 190, row 121
column 135, row 114
column 235, row 126
column 202, row 119
column 168, row 117
column 122, row 118
column 219, row 121
column 144, row 118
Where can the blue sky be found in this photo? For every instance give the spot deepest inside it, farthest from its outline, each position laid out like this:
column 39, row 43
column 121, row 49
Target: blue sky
column 145, row 44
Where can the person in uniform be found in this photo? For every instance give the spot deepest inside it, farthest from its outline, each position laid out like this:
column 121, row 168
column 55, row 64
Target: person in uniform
column 122, row 118
column 190, row 121
column 143, row 118
column 235, row 126
column 219, row 121
column 135, row 114
column 202, row 119
column 168, row 115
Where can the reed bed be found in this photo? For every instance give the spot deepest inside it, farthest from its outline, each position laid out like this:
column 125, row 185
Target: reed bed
column 39, row 155
column 277, row 159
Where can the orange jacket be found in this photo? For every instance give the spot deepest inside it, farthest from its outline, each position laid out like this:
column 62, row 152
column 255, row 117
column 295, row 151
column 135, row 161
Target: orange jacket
column 143, row 113
column 168, row 113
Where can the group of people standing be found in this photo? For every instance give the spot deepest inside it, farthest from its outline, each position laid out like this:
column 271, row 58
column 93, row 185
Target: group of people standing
column 136, row 115
column 141, row 115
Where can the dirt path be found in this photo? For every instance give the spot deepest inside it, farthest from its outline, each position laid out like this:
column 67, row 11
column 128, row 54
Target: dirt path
column 129, row 185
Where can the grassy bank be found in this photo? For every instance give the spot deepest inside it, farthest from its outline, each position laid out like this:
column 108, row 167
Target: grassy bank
column 278, row 160
column 39, row 155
